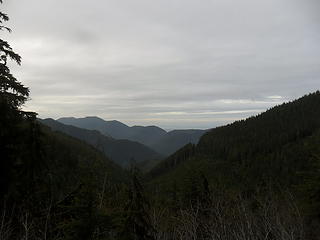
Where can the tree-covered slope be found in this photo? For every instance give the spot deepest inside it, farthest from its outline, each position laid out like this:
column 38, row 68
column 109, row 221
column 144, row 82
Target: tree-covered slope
column 266, row 132
column 154, row 137
column 58, row 187
column 116, row 129
column 278, row 146
column 68, row 159
column 113, row 128
column 176, row 139
column 146, row 135
column 120, row 151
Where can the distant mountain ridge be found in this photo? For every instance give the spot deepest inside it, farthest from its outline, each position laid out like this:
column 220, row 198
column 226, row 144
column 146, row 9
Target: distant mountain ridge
column 121, row 151
column 154, row 137
column 116, row 129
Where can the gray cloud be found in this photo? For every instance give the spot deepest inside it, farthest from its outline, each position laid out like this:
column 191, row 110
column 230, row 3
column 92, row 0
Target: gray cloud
column 171, row 63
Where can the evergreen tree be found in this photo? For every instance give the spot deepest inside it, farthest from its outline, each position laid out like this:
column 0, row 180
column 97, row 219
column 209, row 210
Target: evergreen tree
column 137, row 221
column 12, row 96
column 20, row 144
column 12, row 93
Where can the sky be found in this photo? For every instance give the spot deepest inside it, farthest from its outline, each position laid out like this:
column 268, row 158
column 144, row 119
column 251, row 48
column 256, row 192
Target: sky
column 171, row 63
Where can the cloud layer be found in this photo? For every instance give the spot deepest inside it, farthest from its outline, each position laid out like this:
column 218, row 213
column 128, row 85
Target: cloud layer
column 173, row 63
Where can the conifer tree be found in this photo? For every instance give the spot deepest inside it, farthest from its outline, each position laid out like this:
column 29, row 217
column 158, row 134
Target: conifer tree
column 137, row 221
column 13, row 95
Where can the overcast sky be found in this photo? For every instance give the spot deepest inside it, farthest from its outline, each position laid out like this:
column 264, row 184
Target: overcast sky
column 171, row 63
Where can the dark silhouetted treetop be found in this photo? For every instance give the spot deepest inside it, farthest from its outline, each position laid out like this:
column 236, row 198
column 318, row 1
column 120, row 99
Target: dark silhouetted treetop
column 12, row 92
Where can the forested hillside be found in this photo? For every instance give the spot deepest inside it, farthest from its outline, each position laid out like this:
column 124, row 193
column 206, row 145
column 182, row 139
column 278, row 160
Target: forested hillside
column 263, row 144
column 176, row 139
column 271, row 155
column 122, row 152
column 154, row 137
column 116, row 129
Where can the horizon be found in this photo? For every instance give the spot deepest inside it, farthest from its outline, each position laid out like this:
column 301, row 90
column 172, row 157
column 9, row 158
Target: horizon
column 168, row 129
column 174, row 64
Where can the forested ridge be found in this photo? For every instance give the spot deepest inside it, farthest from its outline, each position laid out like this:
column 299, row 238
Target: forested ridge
column 273, row 147
column 273, row 153
column 257, row 140
column 122, row 151
column 154, row 137
column 253, row 179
